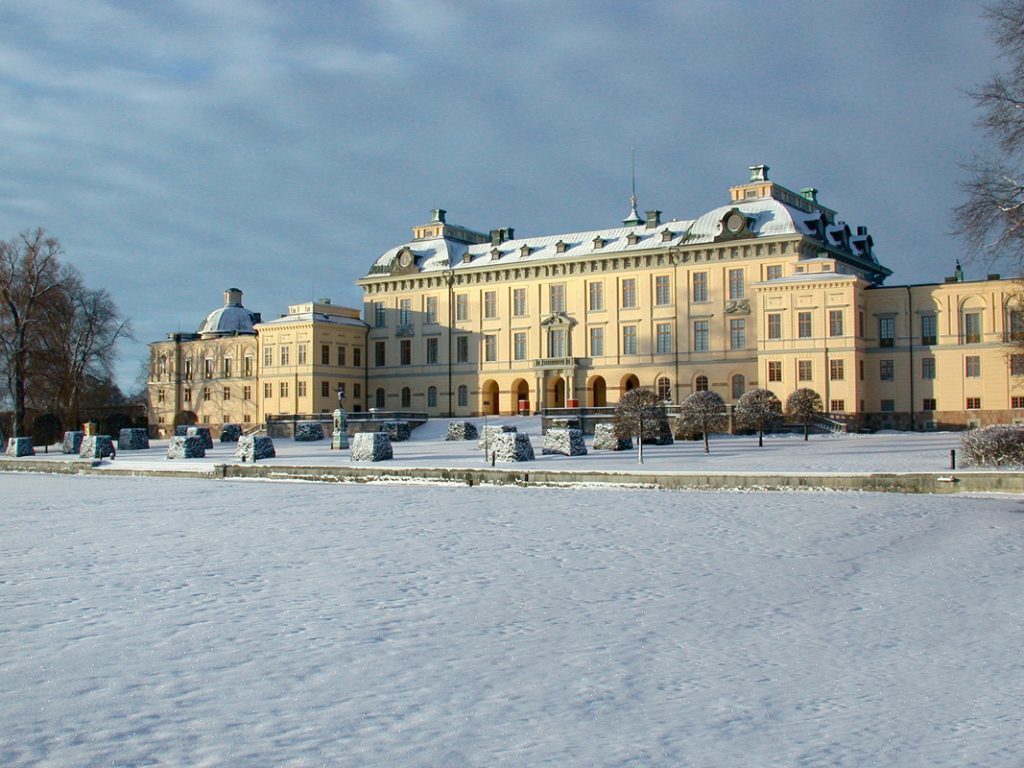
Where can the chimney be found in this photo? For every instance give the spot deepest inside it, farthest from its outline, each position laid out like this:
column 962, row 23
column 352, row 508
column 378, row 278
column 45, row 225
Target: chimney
column 861, row 231
column 810, row 193
column 495, row 237
column 437, row 215
column 232, row 297
column 653, row 219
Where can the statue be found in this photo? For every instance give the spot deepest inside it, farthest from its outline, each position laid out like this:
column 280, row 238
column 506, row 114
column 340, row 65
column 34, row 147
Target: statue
column 339, row 438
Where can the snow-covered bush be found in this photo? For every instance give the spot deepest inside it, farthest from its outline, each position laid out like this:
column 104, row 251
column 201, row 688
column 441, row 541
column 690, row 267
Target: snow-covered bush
column 512, row 446
column 254, row 448
column 701, row 413
column 758, row 409
column 398, row 431
column 96, row 447
column 371, row 446
column 132, row 439
column 803, row 407
column 190, row 447
column 567, row 442
column 202, row 433
column 230, row 433
column 605, row 439
column 20, row 446
column 462, row 430
column 491, row 431
column 641, row 410
column 1000, row 445
column 308, row 431
column 72, row 442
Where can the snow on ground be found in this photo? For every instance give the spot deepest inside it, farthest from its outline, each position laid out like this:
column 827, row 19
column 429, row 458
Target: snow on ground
column 173, row 622
column 881, row 452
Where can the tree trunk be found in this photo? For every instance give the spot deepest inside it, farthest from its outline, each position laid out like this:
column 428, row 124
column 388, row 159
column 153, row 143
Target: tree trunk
column 760, row 438
column 807, row 428
column 706, row 448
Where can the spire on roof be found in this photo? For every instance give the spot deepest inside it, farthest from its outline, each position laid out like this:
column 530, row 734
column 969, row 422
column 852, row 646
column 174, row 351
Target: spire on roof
column 634, row 218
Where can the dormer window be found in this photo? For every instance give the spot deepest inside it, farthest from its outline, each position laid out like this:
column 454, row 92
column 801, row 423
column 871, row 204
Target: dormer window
column 561, row 247
column 599, row 242
column 666, row 235
column 524, row 251
column 633, row 239
column 495, row 254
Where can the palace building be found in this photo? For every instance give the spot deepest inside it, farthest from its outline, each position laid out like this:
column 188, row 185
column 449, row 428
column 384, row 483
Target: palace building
column 770, row 289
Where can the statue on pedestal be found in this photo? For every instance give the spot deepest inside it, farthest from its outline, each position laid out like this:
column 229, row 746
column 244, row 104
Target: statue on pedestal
column 339, row 438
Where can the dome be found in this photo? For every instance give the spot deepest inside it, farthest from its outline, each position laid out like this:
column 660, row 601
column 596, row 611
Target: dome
column 231, row 319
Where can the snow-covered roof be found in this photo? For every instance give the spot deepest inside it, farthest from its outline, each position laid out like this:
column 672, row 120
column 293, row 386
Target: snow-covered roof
column 318, row 317
column 226, row 321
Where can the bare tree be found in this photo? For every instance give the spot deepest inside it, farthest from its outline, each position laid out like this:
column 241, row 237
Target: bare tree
column 992, row 218
column 640, row 414
column 703, row 412
column 758, row 409
column 803, row 406
column 29, row 278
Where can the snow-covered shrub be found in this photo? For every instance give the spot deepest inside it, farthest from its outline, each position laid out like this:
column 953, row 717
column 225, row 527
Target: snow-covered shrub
column 230, row 433
column 567, row 442
column 605, row 439
column 462, row 430
column 491, row 431
column 308, row 431
column 803, row 406
column 702, row 412
column 72, row 442
column 371, row 446
column 181, row 430
column 254, row 448
column 398, row 431
column 203, row 433
column 512, row 446
column 20, row 446
column 641, row 410
column 132, row 439
column 96, row 447
column 1000, row 445
column 190, row 447
column 758, row 409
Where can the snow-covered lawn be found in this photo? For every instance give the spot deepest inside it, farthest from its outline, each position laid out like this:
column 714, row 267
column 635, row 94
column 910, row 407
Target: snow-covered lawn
column 178, row 622
column 882, row 452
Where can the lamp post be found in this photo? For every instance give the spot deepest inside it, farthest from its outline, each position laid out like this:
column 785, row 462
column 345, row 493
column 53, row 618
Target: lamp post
column 449, row 278
column 339, row 438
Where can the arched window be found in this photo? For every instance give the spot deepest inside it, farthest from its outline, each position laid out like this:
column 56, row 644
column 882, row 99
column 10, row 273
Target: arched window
column 406, row 397
column 162, row 366
column 701, row 384
column 664, row 388
column 431, row 397
column 380, row 398
column 739, row 386
column 463, row 395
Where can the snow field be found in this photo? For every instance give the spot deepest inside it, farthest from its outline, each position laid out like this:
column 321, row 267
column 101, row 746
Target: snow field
column 151, row 621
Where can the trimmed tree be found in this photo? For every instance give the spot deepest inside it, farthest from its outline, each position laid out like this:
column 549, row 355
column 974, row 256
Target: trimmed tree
column 758, row 409
column 703, row 412
column 639, row 414
column 803, row 407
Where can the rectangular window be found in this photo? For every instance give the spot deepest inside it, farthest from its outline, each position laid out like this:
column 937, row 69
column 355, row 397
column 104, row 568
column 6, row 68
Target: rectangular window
column 803, row 370
column 462, row 349
column 736, row 287
column 325, row 354
column 662, row 290
column 973, row 403
column 556, row 343
column 556, row 298
column 405, row 311
column 432, row 351
column 972, row 366
column 160, row 396
column 838, row 406
column 929, row 325
column 1017, row 365
column 519, row 302
column 927, row 367
column 247, row 366
column 357, row 391
column 405, row 352
column 302, row 354
column 268, row 392
column 1017, row 402
column 836, row 370
column 860, row 373
column 888, row 406
column 664, row 336
column 928, row 404
column 207, row 368
column 300, row 389
column 379, row 316
column 773, row 272
column 803, row 325
column 886, row 370
column 283, row 389
column 357, row 357
column 629, row 339
column 629, row 292
column 430, row 309
column 700, row 287
column 737, row 334
column 835, row 322
column 595, row 294
column 227, row 367
column 379, row 356
column 325, row 389
column 227, row 393
column 886, row 331
column 490, row 305
column 285, row 355
column 519, row 346
column 341, row 355
column 490, row 348
column 1015, row 325
column 775, row 371
column 700, row 336
column 596, row 342
column 462, row 307
column 247, row 393
column 774, row 325
column 972, row 328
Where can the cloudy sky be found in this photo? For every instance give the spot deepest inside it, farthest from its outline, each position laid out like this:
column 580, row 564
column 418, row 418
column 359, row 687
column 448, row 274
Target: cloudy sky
column 179, row 148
